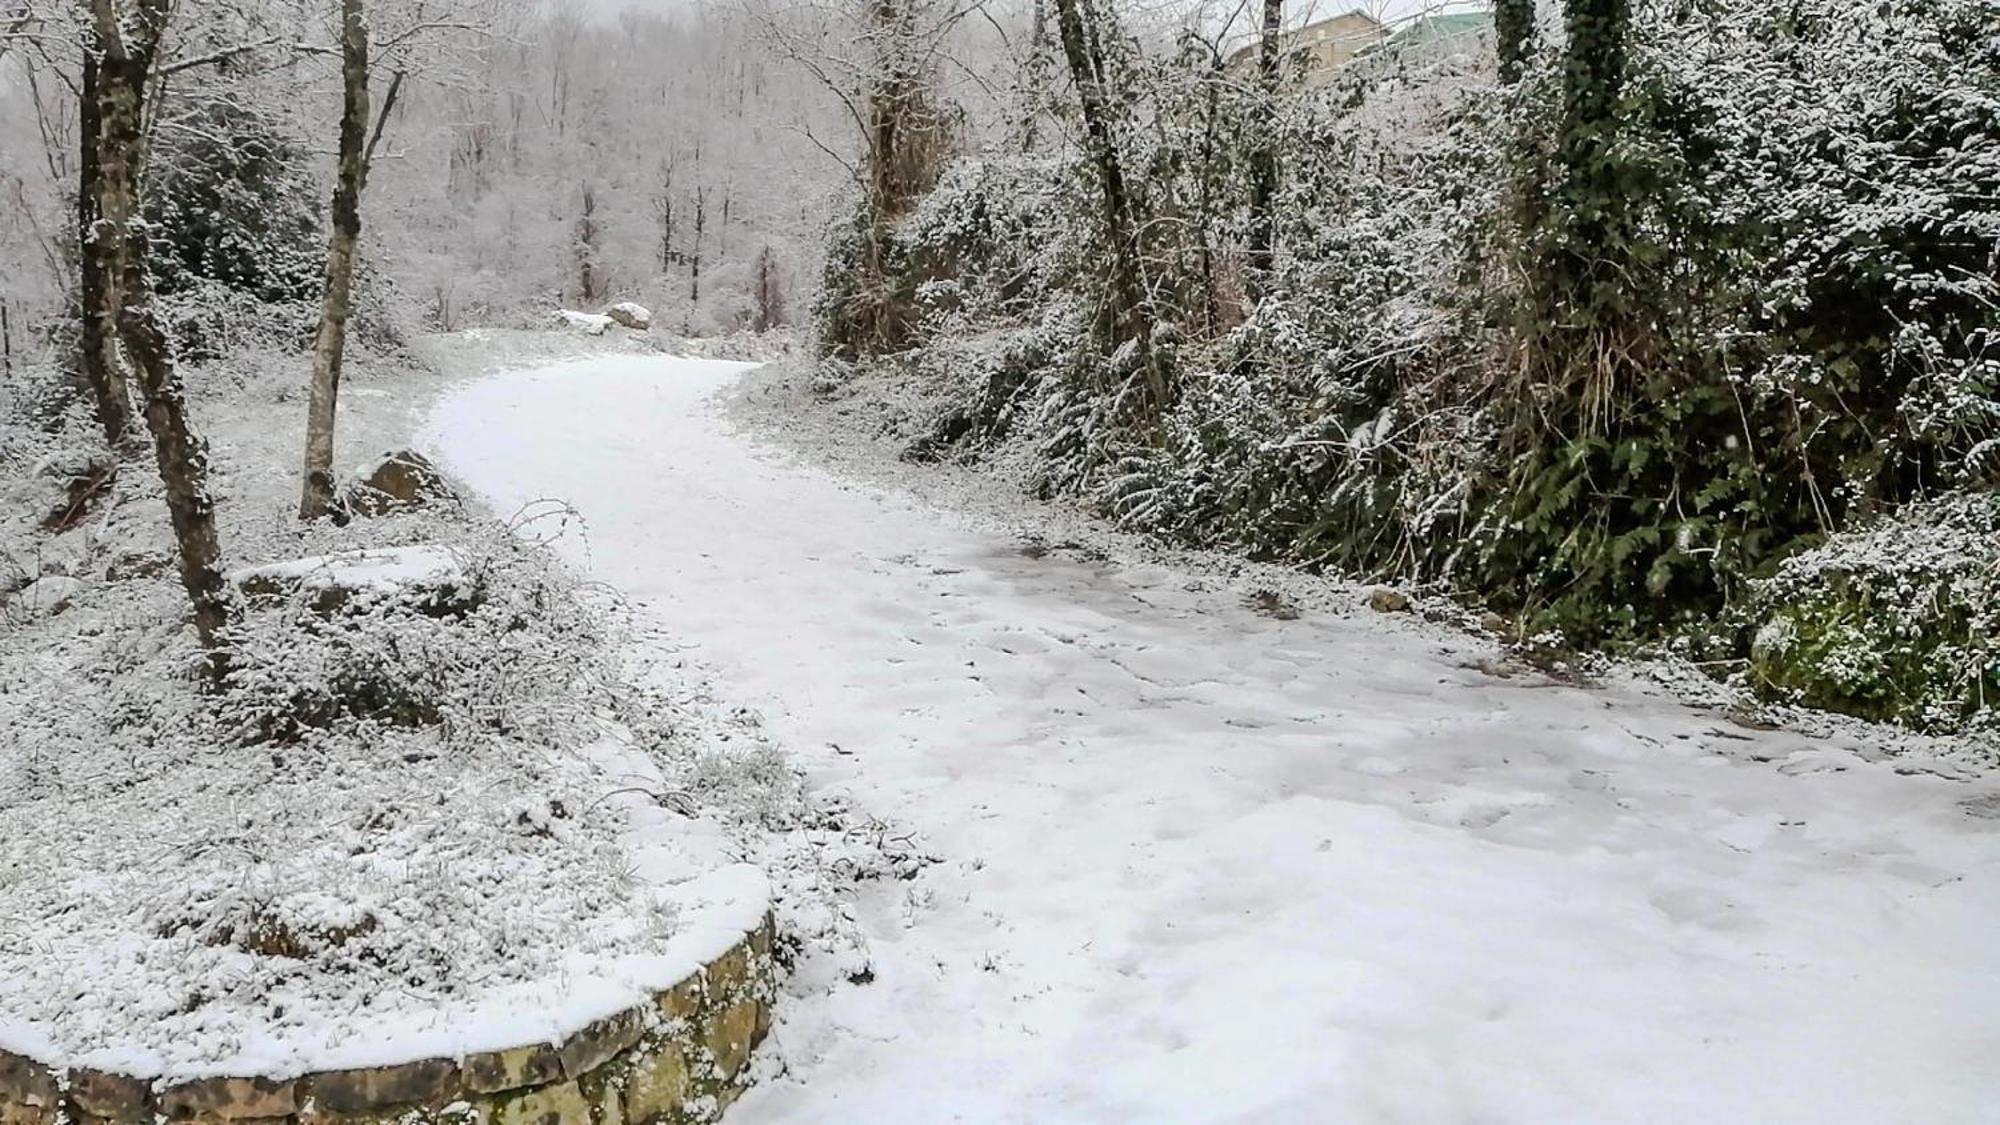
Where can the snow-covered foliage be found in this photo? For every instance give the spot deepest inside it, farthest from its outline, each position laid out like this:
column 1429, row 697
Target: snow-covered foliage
column 1897, row 619
column 1604, row 401
column 238, row 230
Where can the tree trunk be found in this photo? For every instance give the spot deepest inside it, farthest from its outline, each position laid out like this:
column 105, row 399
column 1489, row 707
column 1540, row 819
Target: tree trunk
column 96, row 263
column 1264, row 154
column 590, row 285
column 129, row 48
column 1034, row 78
column 1514, row 35
column 700, row 220
column 337, row 296
column 666, row 213
column 1081, row 48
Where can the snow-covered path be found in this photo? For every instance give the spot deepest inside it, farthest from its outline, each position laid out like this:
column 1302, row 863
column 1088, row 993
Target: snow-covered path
column 1200, row 864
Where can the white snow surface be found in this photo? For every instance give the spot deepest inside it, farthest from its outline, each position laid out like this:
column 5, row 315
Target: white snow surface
column 592, row 324
column 566, row 841
column 1201, row 864
column 387, row 568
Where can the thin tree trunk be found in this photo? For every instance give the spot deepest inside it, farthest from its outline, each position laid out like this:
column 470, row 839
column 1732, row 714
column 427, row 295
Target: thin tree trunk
column 700, row 220
column 1086, row 65
column 129, row 48
column 1264, row 157
column 96, row 263
column 666, row 213
column 1033, row 77
column 337, row 296
column 587, row 277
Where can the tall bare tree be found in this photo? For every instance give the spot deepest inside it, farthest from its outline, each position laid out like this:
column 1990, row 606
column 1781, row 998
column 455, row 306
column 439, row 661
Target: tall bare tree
column 127, row 47
column 357, row 150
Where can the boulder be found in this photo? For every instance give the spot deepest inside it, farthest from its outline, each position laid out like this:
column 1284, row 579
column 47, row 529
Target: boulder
column 49, row 594
column 397, row 481
column 629, row 315
column 1382, row 599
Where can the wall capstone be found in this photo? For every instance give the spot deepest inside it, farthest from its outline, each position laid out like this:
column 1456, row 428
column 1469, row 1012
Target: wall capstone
column 680, row 1060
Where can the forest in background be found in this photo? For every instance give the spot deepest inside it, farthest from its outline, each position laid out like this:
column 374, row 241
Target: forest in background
column 532, row 156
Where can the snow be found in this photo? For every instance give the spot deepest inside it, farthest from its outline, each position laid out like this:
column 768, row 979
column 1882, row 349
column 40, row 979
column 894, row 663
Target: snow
column 592, row 324
column 186, row 892
column 1203, row 864
column 48, row 594
column 387, row 568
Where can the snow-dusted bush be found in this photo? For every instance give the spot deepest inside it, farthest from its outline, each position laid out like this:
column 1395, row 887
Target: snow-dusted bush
column 504, row 646
column 1898, row 619
column 235, row 219
column 1602, row 372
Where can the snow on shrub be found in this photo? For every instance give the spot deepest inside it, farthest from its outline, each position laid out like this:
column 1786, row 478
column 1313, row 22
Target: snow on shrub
column 1899, row 619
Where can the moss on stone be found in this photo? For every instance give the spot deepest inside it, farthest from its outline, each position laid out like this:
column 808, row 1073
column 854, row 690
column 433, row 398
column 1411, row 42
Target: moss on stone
column 1895, row 624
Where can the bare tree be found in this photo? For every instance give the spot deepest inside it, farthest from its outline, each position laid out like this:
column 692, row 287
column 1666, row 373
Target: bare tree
column 420, row 21
column 126, row 48
column 769, row 285
column 357, row 151
column 694, row 258
column 590, row 280
column 663, row 211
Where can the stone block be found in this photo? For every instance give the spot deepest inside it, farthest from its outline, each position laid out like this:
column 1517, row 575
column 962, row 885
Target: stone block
column 657, row 1084
column 111, row 1097
column 601, row 1041
column 494, row 1071
column 729, row 1035
column 229, row 1099
column 27, row 1083
column 681, row 1001
column 729, row 974
column 21, row 1113
column 561, row 1104
column 372, row 1089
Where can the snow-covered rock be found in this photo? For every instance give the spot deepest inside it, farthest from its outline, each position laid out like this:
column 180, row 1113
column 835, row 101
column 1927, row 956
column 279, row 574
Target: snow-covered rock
column 398, row 480
column 634, row 316
column 590, row 324
column 51, row 593
column 433, row 575
column 1384, row 599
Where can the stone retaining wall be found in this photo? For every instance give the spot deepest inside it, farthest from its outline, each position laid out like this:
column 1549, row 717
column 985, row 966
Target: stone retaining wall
column 679, row 1060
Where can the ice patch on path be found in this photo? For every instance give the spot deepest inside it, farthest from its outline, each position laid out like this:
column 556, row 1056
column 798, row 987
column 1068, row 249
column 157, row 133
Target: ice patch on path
column 1202, row 864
